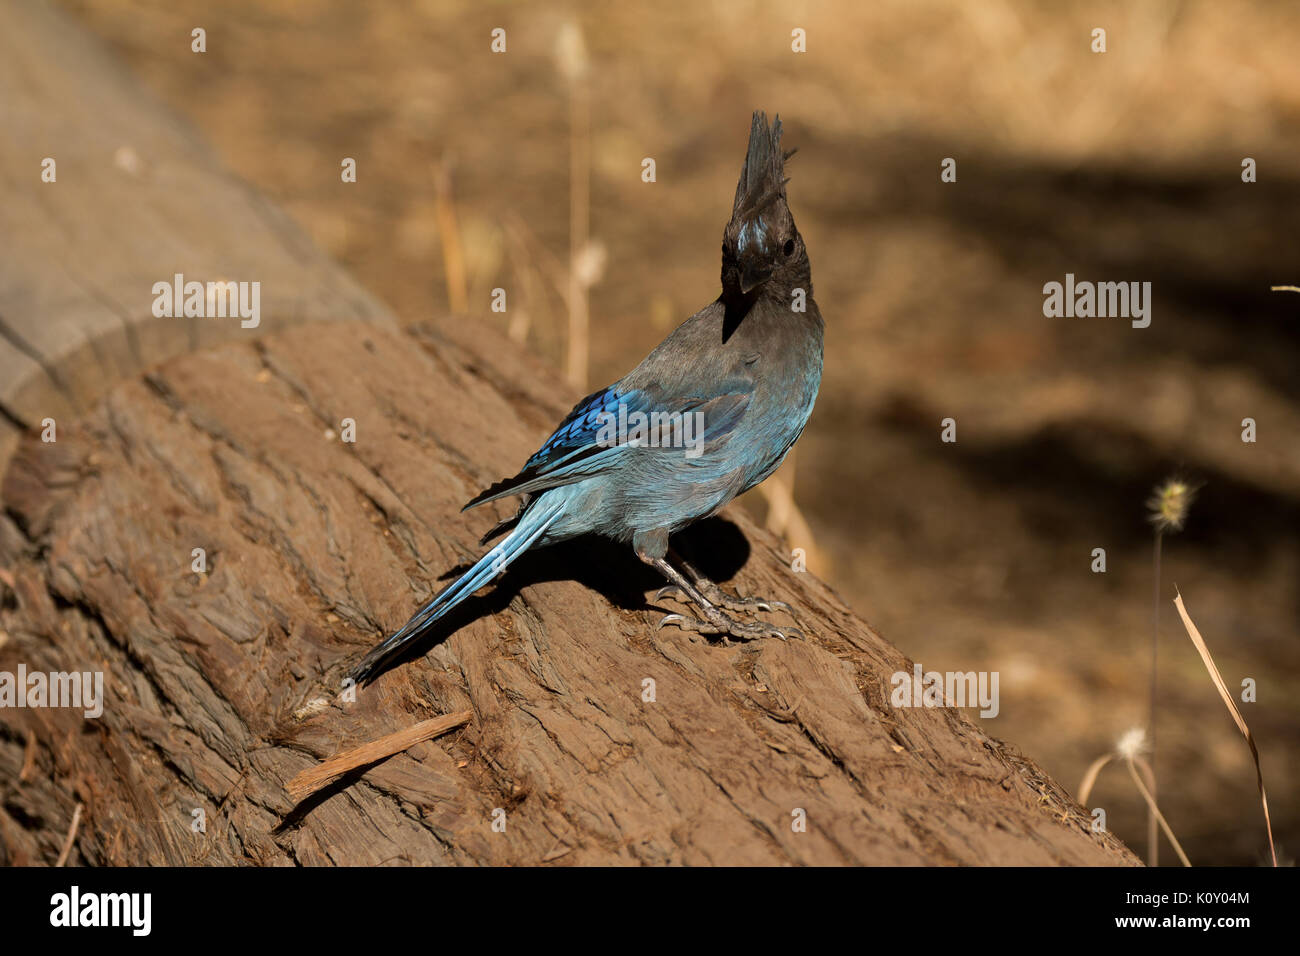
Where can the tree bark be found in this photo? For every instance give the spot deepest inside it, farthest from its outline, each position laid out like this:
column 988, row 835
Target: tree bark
column 222, row 686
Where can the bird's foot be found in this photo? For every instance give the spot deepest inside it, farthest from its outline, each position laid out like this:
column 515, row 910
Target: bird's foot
column 715, row 595
column 719, row 623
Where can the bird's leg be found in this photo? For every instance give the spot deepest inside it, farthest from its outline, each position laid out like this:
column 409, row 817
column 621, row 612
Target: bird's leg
column 714, row 620
column 716, row 595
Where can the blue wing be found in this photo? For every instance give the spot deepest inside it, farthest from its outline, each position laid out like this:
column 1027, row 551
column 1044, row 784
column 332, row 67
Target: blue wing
column 578, row 449
column 580, row 428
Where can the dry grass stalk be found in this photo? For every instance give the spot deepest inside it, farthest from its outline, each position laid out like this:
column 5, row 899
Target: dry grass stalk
column 546, row 263
column 1153, row 837
column 1168, row 505
column 571, row 59
column 1149, row 797
column 71, row 837
column 785, row 520
column 453, row 252
column 1222, row 687
column 309, row 781
column 1090, row 776
column 1128, row 750
column 521, row 316
column 29, row 759
column 780, row 507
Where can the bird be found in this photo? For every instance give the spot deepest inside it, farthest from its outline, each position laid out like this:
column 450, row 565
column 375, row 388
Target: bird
column 714, row 409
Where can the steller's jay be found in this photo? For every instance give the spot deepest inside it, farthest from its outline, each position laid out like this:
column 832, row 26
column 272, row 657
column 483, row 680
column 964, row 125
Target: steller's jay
column 720, row 403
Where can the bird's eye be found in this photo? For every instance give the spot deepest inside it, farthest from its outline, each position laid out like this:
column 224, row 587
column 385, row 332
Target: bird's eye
column 788, row 248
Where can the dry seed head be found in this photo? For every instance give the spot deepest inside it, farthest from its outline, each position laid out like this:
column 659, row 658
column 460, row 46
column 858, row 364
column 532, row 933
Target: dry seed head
column 1132, row 744
column 1169, row 504
column 571, row 52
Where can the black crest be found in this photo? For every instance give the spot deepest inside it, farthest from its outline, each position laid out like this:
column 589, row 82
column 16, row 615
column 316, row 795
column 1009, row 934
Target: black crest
column 762, row 179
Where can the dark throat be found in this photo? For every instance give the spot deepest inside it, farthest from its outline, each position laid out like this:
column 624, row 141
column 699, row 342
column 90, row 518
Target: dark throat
column 738, row 305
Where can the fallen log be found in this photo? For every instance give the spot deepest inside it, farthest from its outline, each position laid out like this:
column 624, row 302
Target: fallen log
column 221, row 686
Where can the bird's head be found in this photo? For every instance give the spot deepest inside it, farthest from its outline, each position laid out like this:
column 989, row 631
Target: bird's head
column 761, row 246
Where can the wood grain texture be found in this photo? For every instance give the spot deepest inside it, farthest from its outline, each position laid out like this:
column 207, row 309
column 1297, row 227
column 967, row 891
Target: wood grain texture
column 222, row 687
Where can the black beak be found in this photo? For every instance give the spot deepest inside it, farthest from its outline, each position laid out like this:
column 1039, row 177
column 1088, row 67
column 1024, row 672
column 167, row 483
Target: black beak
column 753, row 273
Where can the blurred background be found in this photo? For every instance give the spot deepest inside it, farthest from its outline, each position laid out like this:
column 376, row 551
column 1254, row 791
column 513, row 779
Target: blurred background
column 522, row 171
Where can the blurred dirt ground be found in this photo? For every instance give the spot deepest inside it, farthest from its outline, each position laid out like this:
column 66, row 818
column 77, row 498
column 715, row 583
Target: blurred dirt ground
column 1117, row 166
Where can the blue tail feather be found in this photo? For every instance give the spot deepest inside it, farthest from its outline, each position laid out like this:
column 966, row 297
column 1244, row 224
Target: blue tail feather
column 531, row 527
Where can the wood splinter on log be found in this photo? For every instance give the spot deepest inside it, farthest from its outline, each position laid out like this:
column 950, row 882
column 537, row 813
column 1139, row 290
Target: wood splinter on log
column 309, row 781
